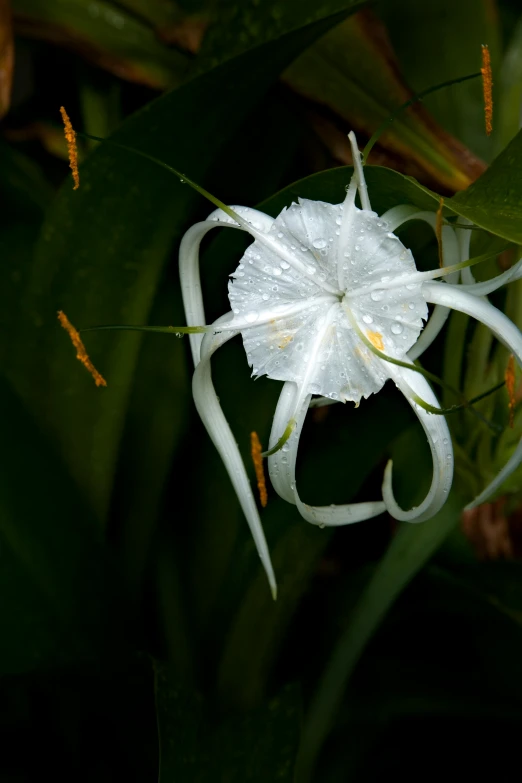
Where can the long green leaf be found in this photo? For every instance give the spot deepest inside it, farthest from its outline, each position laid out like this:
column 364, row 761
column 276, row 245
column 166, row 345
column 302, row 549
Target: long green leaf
column 409, row 551
column 58, row 599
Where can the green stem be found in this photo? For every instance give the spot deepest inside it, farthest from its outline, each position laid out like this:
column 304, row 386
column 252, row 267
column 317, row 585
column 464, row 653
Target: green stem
column 418, row 97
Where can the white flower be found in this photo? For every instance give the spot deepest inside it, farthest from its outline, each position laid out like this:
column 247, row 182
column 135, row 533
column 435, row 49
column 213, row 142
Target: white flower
column 322, row 290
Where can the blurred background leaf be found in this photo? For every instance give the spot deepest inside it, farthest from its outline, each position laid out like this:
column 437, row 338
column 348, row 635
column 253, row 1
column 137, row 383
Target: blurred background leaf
column 106, row 34
column 198, row 746
column 441, row 41
column 62, row 605
column 353, row 72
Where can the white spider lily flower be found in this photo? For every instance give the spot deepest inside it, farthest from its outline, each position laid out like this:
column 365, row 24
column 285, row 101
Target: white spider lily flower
column 321, row 296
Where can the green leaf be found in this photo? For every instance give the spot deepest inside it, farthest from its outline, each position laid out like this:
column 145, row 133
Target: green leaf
column 59, row 600
column 103, row 247
column 509, row 90
column 242, row 26
column 106, row 34
column 494, row 201
column 258, row 745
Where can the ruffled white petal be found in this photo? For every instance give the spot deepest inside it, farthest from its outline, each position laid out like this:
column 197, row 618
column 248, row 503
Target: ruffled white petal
column 505, row 331
column 293, row 403
column 189, row 264
column 212, row 416
column 280, row 347
column 439, row 439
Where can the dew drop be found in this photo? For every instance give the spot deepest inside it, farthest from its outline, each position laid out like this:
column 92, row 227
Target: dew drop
column 368, row 319
column 397, row 328
column 252, row 316
column 376, row 296
column 319, row 243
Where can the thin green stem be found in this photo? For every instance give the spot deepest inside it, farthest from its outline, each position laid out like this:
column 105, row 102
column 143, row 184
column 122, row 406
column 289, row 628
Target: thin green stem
column 178, row 331
column 182, row 177
column 290, row 427
column 418, row 97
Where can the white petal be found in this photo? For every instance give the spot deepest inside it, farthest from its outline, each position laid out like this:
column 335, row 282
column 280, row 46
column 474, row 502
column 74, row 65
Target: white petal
column 488, row 286
column 439, row 439
column 293, row 403
column 212, row 416
column 464, row 238
column 398, row 215
column 189, row 264
column 505, row 331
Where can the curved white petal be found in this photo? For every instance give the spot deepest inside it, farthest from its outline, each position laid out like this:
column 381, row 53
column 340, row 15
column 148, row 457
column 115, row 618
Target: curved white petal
column 464, row 238
column 488, row 286
column 189, row 264
column 505, row 331
column 439, row 439
column 398, row 215
column 212, row 416
column 281, row 467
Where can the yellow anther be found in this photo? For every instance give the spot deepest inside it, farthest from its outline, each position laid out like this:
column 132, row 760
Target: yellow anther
column 81, row 353
column 70, row 137
column 487, row 87
column 257, row 459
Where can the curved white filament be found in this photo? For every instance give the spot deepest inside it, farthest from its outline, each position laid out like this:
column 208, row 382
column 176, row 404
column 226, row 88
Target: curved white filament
column 189, row 264
column 505, row 331
column 488, row 286
column 213, row 418
column 439, row 439
column 361, row 181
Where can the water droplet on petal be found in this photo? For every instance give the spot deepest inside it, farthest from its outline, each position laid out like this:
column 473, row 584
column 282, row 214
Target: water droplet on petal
column 397, row 328
column 319, row 243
